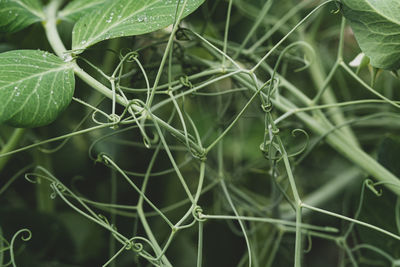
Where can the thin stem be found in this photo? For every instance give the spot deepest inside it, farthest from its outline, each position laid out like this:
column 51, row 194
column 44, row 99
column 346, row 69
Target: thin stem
column 56, row 43
column 50, row 25
column 341, row 40
column 279, row 222
column 222, row 135
column 227, row 22
column 366, row 86
column 335, row 139
column 166, row 53
column 199, row 245
column 304, row 205
column 261, row 16
column 11, row 144
column 242, row 226
column 288, row 34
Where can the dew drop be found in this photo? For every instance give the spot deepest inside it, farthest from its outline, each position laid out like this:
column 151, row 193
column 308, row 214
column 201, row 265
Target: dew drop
column 142, row 18
column 67, row 58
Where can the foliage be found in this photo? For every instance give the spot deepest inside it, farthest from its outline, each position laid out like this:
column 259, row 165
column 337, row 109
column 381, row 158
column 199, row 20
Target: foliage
column 376, row 24
column 199, row 133
column 35, row 87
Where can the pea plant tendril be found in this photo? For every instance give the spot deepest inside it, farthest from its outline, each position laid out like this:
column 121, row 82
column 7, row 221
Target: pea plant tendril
column 199, row 133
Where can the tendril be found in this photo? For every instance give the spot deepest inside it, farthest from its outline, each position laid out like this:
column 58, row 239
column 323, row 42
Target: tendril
column 184, row 80
column 283, row 53
column 23, row 238
column 371, row 186
column 181, row 35
column 269, row 148
column 309, row 240
column 197, row 213
column 304, row 147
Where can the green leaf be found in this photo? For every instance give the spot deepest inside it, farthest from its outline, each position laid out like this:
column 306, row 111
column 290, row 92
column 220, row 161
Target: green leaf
column 376, row 26
column 119, row 18
column 16, row 15
column 35, row 86
column 78, row 8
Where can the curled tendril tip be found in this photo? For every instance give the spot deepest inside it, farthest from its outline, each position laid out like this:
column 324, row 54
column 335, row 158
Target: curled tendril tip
column 137, row 247
column 304, row 147
column 184, row 80
column 197, row 213
column 371, row 186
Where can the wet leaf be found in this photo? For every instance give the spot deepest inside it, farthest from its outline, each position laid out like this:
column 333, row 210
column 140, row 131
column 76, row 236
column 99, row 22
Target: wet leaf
column 78, row 8
column 376, row 26
column 119, row 18
column 16, row 15
column 35, row 86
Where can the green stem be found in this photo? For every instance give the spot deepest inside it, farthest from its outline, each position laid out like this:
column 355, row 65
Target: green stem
column 352, row 152
column 51, row 29
column 253, row 30
column 229, row 199
column 167, row 49
column 321, row 195
column 321, row 81
column 151, row 236
column 228, row 19
column 200, row 245
column 11, row 145
column 336, row 140
column 43, row 190
column 59, row 48
column 298, row 241
column 376, row 228
column 113, row 215
column 288, row 34
column 274, row 251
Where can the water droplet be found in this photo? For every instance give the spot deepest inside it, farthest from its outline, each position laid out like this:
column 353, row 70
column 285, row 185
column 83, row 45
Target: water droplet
column 68, row 58
column 110, row 18
column 142, row 18
column 17, row 92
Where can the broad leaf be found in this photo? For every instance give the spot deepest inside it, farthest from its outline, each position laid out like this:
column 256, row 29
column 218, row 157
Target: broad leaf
column 376, row 25
column 35, row 86
column 16, row 15
column 78, row 8
column 125, row 18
